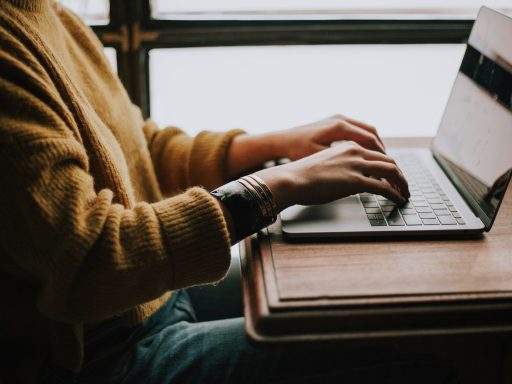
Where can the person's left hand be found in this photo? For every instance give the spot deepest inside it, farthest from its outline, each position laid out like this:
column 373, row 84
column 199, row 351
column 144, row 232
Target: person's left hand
column 305, row 140
column 249, row 151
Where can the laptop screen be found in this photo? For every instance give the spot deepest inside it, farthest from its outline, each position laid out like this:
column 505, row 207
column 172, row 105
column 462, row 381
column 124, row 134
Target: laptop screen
column 474, row 140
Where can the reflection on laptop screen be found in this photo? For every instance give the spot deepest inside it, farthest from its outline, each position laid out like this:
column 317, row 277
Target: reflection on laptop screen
column 474, row 141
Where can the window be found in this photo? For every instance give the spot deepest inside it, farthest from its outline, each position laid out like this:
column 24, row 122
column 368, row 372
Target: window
column 270, row 64
column 93, row 12
column 401, row 89
column 112, row 58
column 320, row 9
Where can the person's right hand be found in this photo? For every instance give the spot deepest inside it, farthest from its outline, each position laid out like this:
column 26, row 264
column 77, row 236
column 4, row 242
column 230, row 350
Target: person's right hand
column 333, row 173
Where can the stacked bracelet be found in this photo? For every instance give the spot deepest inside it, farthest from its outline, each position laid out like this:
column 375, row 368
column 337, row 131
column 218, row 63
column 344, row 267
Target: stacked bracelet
column 250, row 203
column 262, row 194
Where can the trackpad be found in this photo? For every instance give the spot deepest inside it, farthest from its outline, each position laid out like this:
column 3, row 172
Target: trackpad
column 343, row 213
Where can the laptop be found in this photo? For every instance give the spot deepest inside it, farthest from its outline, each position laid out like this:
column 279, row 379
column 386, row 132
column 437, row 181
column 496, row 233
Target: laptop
column 458, row 184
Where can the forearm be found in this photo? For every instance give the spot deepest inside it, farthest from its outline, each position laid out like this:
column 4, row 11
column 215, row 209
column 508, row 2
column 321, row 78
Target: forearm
column 181, row 161
column 250, row 151
column 136, row 256
column 110, row 257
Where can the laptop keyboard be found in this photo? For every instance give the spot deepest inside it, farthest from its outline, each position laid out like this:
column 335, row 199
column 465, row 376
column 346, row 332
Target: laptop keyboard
column 427, row 206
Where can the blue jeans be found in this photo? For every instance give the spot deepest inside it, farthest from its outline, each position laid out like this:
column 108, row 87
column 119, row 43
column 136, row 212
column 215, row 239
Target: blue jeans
column 173, row 347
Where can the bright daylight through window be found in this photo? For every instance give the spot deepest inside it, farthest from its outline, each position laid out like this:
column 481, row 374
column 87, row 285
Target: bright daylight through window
column 401, row 89
column 322, row 9
column 94, row 12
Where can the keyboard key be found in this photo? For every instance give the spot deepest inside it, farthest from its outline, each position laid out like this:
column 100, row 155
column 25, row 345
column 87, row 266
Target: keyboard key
column 430, row 221
column 460, row 221
column 447, row 220
column 428, row 204
column 412, row 219
column 394, row 219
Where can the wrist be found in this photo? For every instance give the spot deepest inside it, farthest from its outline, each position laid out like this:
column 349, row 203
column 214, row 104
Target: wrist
column 269, row 145
column 248, row 152
column 282, row 184
column 248, row 206
column 276, row 144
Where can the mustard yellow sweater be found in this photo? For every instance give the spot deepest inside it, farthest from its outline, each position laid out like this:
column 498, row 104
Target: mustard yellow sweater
column 85, row 231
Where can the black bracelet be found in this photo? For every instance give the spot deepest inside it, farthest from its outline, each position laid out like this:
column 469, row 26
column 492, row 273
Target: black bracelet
column 245, row 207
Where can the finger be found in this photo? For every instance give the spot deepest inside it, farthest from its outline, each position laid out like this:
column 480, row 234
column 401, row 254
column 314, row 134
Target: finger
column 388, row 171
column 367, row 127
column 312, row 149
column 382, row 188
column 376, row 156
column 318, row 147
column 360, row 136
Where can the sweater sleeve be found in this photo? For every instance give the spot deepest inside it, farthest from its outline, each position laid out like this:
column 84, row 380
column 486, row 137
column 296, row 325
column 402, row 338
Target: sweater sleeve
column 91, row 257
column 192, row 161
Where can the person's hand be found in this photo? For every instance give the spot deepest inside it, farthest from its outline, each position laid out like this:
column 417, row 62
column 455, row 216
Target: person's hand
column 333, row 173
column 299, row 142
column 249, row 151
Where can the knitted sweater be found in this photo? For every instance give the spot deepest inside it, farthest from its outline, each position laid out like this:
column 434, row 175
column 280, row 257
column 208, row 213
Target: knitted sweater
column 96, row 220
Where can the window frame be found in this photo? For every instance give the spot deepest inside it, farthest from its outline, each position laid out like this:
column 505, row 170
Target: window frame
column 133, row 32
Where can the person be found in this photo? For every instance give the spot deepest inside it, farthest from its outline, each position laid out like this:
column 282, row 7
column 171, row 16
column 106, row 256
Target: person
column 106, row 220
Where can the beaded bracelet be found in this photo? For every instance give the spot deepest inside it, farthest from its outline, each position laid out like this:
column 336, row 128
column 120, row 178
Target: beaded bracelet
column 250, row 203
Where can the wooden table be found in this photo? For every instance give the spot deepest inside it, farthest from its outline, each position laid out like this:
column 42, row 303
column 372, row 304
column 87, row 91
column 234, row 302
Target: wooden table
column 378, row 289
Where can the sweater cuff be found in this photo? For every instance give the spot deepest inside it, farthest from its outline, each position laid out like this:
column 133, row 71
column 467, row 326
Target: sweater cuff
column 196, row 238
column 208, row 158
